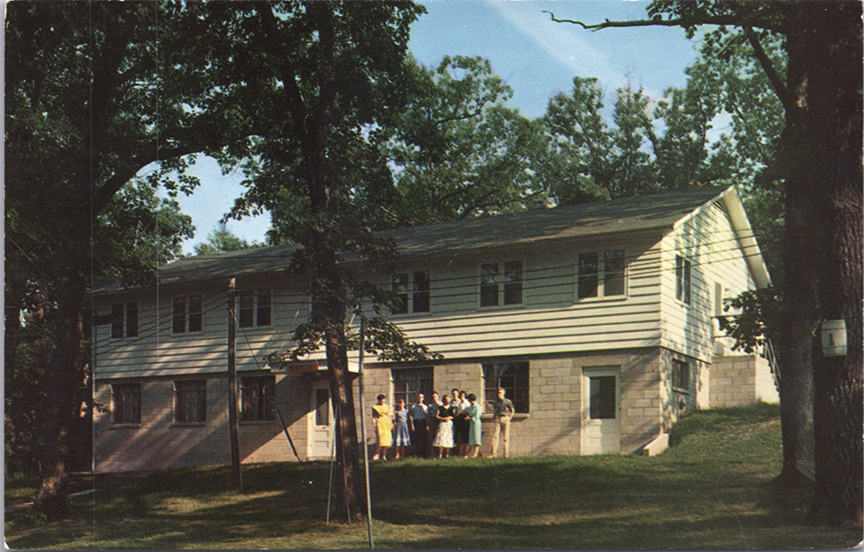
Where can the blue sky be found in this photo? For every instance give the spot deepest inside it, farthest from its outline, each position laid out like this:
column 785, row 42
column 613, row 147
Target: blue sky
column 536, row 56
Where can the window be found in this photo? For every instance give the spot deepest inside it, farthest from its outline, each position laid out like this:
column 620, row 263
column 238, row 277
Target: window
column 257, row 398
column 680, row 376
column 682, row 279
column 513, row 377
column 416, row 297
column 492, row 286
column 489, row 285
column 190, row 401
column 588, row 271
column 181, row 314
column 596, row 280
column 254, row 308
column 322, row 407
column 126, row 403
column 613, row 273
column 602, row 398
column 410, row 381
column 130, row 320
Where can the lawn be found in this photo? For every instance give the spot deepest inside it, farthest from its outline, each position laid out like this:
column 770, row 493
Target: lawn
column 713, row 489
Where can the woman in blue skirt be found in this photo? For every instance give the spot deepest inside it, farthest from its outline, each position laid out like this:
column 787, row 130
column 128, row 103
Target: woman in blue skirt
column 401, row 435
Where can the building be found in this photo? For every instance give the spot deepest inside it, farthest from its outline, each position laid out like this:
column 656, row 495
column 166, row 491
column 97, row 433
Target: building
column 598, row 319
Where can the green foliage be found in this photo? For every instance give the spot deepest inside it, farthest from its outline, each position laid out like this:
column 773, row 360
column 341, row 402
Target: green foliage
column 757, row 318
column 459, row 150
column 221, row 239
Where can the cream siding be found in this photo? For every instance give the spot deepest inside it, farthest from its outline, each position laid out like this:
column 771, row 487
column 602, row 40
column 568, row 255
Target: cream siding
column 550, row 319
column 708, row 240
column 157, row 351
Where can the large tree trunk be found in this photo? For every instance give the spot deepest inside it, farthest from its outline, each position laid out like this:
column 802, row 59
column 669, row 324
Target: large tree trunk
column 63, row 381
column 331, row 287
column 800, row 310
column 835, row 134
column 348, row 504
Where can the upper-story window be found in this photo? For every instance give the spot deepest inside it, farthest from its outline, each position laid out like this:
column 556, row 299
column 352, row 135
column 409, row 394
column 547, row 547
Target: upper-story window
column 124, row 320
column 254, row 308
column 187, row 314
column 682, row 279
column 501, row 284
column 601, row 276
column 412, row 292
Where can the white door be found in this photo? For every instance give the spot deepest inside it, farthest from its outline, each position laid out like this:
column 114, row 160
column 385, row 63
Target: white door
column 601, row 407
column 321, row 426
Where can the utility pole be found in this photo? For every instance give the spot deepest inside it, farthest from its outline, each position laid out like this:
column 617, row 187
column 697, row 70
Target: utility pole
column 237, row 478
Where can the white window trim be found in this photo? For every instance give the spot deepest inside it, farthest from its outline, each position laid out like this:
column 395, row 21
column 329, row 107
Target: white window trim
column 410, row 272
column 186, row 299
column 601, row 276
column 500, row 262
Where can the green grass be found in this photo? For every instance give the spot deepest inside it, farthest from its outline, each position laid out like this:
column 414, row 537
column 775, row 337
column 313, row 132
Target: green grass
column 713, row 489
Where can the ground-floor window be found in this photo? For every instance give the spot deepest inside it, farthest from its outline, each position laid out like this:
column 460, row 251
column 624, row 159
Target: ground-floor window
column 190, row 401
column 126, row 403
column 257, row 396
column 513, row 377
column 680, row 376
column 408, row 382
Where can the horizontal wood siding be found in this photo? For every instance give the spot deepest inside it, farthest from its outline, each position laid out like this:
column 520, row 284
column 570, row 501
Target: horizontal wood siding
column 158, row 351
column 548, row 321
column 708, row 240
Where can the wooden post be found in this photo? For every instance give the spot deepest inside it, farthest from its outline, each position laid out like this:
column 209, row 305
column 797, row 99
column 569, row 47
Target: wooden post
column 237, row 478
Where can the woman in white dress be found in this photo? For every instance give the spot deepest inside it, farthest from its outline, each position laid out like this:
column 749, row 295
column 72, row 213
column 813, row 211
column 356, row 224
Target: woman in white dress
column 444, row 438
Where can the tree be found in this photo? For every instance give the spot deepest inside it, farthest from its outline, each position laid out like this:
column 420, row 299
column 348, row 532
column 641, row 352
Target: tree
column 94, row 93
column 329, row 76
column 221, row 239
column 458, row 150
column 136, row 232
column 821, row 164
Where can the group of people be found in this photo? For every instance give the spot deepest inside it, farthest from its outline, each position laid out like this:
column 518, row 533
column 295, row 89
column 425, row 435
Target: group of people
column 452, row 426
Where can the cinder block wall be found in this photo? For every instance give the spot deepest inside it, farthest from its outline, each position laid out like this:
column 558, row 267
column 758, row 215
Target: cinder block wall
column 740, row 380
column 160, row 443
column 554, row 423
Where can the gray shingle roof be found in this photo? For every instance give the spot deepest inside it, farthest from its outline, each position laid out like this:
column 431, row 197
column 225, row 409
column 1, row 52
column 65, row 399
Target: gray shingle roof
column 657, row 212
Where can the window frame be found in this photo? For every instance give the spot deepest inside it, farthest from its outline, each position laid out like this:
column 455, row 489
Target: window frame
column 123, row 323
column 119, row 402
column 184, row 390
column 251, row 311
column 189, row 318
column 407, row 287
column 502, row 283
column 600, row 277
column 492, row 380
column 680, row 370
column 683, row 279
column 412, row 385
column 261, row 405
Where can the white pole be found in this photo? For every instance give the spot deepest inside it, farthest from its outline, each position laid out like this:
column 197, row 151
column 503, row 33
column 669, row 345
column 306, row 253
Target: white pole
column 363, row 434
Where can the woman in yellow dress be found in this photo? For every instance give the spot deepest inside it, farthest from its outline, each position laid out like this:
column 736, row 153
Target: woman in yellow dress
column 384, row 425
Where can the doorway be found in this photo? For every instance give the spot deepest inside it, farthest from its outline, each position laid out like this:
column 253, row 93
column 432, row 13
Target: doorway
column 601, row 411
column 321, row 422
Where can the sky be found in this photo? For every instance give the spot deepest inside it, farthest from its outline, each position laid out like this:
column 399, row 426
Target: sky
column 537, row 57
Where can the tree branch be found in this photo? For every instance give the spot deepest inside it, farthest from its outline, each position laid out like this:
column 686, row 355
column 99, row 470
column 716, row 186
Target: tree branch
column 730, row 19
column 773, row 77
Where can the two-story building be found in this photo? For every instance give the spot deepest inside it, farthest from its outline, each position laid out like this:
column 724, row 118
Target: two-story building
column 598, row 319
